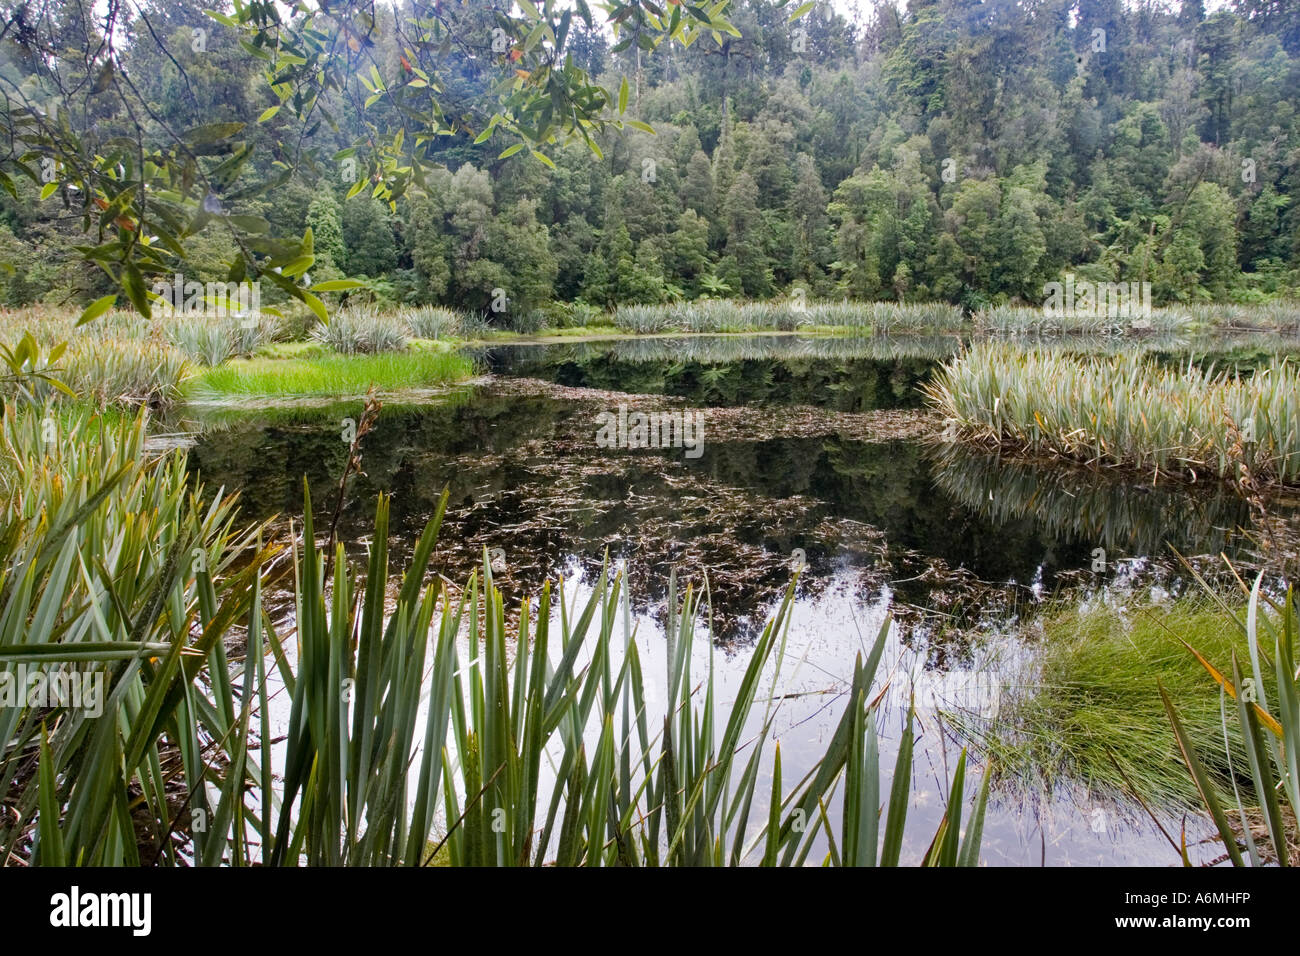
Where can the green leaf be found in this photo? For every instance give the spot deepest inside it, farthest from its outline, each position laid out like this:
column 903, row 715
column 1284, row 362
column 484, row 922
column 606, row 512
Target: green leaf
column 96, row 309
column 316, row 305
column 211, row 133
column 970, row 844
column 1201, row 779
column 338, row 285
column 298, row 266
column 135, row 289
column 48, row 190
column 222, row 19
column 51, row 836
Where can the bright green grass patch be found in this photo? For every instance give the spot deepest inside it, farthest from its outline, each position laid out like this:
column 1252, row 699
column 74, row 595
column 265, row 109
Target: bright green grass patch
column 331, row 376
column 1092, row 711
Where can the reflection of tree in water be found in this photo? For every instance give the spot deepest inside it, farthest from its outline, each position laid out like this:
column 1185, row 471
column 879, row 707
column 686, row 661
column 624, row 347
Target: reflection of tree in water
column 527, row 360
column 525, row 475
column 918, row 351
column 1107, row 510
column 705, row 376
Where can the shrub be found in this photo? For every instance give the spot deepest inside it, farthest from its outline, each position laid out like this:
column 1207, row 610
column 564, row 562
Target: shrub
column 431, row 321
column 528, row 323
column 475, row 325
column 361, row 330
column 570, row 315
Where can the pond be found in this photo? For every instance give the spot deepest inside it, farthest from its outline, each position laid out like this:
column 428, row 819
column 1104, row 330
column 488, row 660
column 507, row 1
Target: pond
column 812, row 453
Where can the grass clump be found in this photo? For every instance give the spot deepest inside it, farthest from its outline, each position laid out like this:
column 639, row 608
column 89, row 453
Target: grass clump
column 1025, row 320
column 788, row 315
column 121, row 359
column 124, row 373
column 1092, row 710
column 331, row 376
column 431, row 322
column 1122, row 410
column 213, row 341
column 711, row 315
column 894, row 317
column 1280, row 316
column 361, row 330
column 109, row 560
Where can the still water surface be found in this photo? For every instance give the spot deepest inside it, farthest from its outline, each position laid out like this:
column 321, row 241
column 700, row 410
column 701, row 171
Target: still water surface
column 815, row 451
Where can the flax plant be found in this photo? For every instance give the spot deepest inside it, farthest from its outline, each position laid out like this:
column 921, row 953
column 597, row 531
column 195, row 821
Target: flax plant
column 724, row 315
column 554, row 757
column 398, row 750
column 1122, row 410
column 114, row 567
column 1269, row 728
column 361, row 330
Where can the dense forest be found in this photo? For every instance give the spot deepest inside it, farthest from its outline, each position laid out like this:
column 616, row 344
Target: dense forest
column 951, row 150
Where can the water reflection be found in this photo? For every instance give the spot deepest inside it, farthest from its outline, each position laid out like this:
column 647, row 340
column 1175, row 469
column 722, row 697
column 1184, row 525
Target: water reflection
column 960, row 534
column 884, row 520
column 1112, row 511
column 730, row 372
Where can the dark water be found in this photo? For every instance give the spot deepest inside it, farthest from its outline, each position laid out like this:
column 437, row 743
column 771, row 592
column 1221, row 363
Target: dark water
column 815, row 448
column 729, row 372
column 935, row 522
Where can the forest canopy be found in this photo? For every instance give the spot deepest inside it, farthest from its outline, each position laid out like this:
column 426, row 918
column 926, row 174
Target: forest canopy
column 953, row 150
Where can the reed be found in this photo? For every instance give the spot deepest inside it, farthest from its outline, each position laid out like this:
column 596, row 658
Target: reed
column 119, row 359
column 1280, row 316
column 432, row 322
column 724, row 315
column 113, row 568
column 1259, row 724
column 623, row 790
column 1024, row 320
column 212, row 341
column 361, row 330
column 1122, row 410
